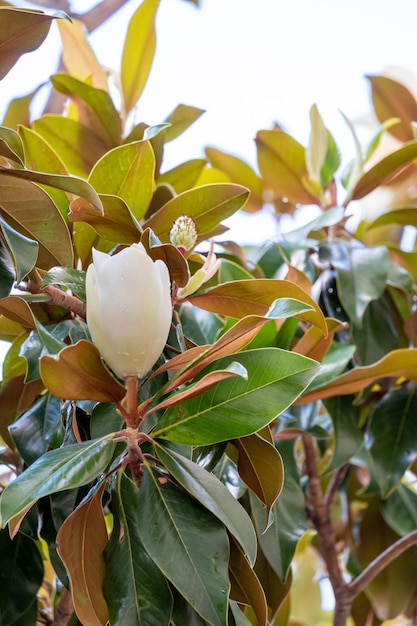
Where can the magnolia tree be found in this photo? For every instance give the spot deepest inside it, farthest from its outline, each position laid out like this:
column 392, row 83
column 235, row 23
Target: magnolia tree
column 196, row 439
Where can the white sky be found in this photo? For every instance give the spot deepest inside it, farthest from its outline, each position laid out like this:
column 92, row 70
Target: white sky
column 249, row 63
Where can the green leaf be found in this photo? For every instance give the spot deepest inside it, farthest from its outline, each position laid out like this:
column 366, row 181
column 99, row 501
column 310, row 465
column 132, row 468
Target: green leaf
column 183, row 176
column 208, row 205
column 400, row 510
column 392, row 436
column 289, row 524
column 323, row 220
column 316, row 150
column 128, row 172
column 136, row 591
column 138, row 52
column 281, row 161
column 348, row 437
column 72, row 279
column 276, row 378
column 63, row 468
column 241, row 173
column 213, row 495
column 95, row 105
column 362, row 274
column 65, row 135
column 180, row 119
column 32, row 213
column 41, row 157
column 81, row 541
column 11, row 145
column 21, row 575
column 23, row 249
column 384, row 170
column 21, row 31
column 404, row 217
column 172, row 537
column 7, row 275
column 392, row 99
column 18, row 111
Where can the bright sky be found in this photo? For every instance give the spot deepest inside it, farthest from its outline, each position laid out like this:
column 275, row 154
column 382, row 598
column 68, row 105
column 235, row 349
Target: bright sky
column 249, row 63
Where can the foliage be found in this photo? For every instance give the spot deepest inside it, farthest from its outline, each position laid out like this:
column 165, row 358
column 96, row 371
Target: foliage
column 275, row 437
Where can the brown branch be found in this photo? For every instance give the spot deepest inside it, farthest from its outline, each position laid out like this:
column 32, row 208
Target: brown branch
column 320, row 517
column 64, row 610
column 381, row 561
column 334, row 485
column 99, row 14
column 57, row 297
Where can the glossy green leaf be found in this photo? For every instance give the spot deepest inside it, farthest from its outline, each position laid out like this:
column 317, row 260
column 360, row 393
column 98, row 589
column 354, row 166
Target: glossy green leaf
column 23, row 249
column 183, row 176
column 254, row 297
column 32, row 212
column 39, row 428
column 72, row 279
column 208, row 205
column 281, row 161
column 11, row 145
column 260, row 466
column 238, row 172
column 21, row 575
column 172, row 537
column 180, row 119
column 66, row 135
column 276, row 378
column 136, row 591
column 138, row 52
column 348, row 437
column 362, row 274
column 21, row 31
column 96, row 108
column 392, row 99
column 116, row 223
column 64, row 468
column 128, row 172
column 289, row 523
column 400, row 509
column 81, row 541
column 213, row 495
column 384, row 170
column 16, row 396
column 41, row 157
column 78, row 373
column 392, row 436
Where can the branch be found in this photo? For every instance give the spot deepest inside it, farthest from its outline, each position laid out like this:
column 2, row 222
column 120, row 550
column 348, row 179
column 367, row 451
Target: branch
column 99, row 14
column 65, row 609
column 377, row 565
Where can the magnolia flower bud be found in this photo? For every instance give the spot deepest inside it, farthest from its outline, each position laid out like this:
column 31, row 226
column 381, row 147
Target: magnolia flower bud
column 129, row 309
column 183, row 234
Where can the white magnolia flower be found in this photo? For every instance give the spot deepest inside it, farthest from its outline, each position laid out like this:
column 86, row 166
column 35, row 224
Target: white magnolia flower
column 129, row 309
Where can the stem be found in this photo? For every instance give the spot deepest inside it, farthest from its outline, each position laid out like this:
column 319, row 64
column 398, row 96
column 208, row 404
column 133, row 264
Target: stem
column 131, row 415
column 64, row 610
column 57, row 297
column 319, row 513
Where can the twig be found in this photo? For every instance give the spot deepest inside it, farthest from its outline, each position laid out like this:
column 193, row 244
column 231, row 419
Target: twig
column 57, row 297
column 334, row 485
column 65, row 609
column 381, row 561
